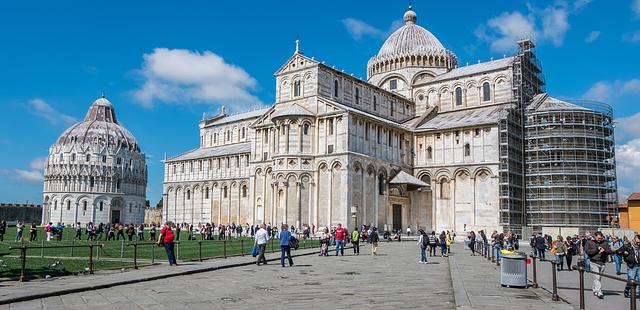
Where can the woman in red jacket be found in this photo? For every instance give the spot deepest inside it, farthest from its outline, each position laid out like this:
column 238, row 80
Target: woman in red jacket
column 166, row 239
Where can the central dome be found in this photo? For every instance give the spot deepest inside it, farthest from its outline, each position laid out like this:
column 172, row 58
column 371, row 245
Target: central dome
column 411, row 46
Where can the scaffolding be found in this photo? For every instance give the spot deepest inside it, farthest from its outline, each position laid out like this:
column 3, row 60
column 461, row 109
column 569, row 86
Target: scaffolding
column 570, row 164
column 527, row 81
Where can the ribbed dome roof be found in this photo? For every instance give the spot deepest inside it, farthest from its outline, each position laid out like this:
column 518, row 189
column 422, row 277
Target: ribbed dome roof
column 411, row 39
column 411, row 46
column 99, row 128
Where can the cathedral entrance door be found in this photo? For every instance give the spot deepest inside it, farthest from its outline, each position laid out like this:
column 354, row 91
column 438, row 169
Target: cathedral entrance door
column 397, row 217
column 115, row 216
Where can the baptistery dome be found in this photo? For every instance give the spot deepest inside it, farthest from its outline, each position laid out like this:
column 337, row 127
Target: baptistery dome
column 95, row 172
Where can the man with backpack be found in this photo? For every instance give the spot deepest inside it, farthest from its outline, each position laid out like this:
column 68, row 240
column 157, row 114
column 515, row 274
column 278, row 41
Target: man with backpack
column 631, row 255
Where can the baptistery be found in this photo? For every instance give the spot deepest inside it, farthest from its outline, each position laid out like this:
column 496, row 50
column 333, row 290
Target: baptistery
column 95, row 172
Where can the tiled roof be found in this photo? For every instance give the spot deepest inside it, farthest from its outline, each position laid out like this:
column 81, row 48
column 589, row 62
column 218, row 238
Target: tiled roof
column 463, row 118
column 405, row 178
column 544, row 102
column 239, row 117
column 475, row 69
column 634, row 196
column 231, row 149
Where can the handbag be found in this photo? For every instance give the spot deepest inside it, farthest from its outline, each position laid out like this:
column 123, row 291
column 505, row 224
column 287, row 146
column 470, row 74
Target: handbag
column 254, row 251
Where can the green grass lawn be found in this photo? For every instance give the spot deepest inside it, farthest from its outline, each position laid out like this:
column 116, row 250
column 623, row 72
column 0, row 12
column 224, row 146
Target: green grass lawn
column 114, row 254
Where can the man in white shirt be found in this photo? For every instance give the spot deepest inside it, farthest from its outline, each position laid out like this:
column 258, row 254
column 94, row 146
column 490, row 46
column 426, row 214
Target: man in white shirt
column 261, row 241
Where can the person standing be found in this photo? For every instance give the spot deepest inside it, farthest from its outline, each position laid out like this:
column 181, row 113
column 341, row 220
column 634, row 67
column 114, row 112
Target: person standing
column 561, row 252
column 540, row 245
column 448, row 242
column 433, row 243
column 472, row 243
column 616, row 244
column 374, row 239
column 166, row 239
column 33, row 232
column 140, row 232
column 152, row 231
column 443, row 244
column 355, row 241
column 408, row 230
column 325, row 239
column 341, row 235
column 631, row 255
column 78, row 231
column 3, row 229
column 571, row 251
column 597, row 250
column 262, row 236
column 285, row 245
column 423, row 242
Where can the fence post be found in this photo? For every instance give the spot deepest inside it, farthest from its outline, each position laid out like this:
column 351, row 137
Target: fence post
column 98, row 251
column 241, row 247
column 121, row 248
column 73, row 242
column 633, row 284
column 554, row 295
column 177, row 250
column 200, row 250
column 153, row 253
column 42, row 249
column 90, row 258
column 225, row 248
column 581, row 273
column 534, row 284
column 135, row 255
column 23, row 262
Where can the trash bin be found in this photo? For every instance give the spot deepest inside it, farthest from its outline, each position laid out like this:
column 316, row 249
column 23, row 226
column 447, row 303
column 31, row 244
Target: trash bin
column 513, row 270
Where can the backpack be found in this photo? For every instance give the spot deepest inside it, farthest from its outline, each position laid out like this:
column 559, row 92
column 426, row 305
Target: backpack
column 425, row 241
column 294, row 243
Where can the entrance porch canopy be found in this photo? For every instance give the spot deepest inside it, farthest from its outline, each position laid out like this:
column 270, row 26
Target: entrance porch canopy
column 411, row 181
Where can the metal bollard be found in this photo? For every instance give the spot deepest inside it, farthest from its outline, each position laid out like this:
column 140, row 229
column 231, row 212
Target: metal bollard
column 554, row 295
column 23, row 262
column 90, row 258
column 634, row 285
column 225, row 248
column 153, row 254
column 242, row 247
column 534, row 283
column 135, row 255
column 581, row 273
column 200, row 250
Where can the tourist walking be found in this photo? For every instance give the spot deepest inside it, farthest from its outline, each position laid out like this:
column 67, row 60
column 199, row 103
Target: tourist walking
column 423, row 242
column 374, row 239
column 33, row 232
column 152, row 232
column 340, row 236
column 262, row 236
column 130, row 231
column 472, row 243
column 539, row 243
column 433, row 243
column 631, row 255
column 325, row 239
column 616, row 244
column 3, row 229
column 355, row 241
column 140, row 232
column 597, row 250
column 166, row 239
column 285, row 245
column 19, row 230
column 560, row 250
column 571, row 251
column 78, row 231
column 443, row 244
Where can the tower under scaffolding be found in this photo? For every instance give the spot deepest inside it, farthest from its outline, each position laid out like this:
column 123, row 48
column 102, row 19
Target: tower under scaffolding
column 527, row 81
column 570, row 156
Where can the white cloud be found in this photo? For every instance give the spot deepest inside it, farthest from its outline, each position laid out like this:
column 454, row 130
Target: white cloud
column 359, row 29
column 505, row 29
column 608, row 91
column 181, row 76
column 628, row 167
column 40, row 108
column 632, row 37
column 592, row 36
column 35, row 173
column 555, row 24
column 628, row 127
column 635, row 7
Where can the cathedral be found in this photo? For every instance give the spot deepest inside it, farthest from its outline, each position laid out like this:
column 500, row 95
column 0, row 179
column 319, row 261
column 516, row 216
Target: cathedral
column 423, row 142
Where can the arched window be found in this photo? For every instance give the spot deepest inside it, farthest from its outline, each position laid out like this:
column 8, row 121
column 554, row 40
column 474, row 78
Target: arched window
column 101, row 205
column 392, row 108
column 73, row 157
column 118, row 185
column 486, row 91
column 228, row 135
column 357, row 95
column 215, row 138
column 381, row 184
column 91, row 181
column 55, row 205
column 305, row 129
column 88, row 157
column 206, row 193
column 467, row 149
column 68, row 204
column 244, row 191
column 429, row 152
column 296, row 88
column 375, row 103
column 188, row 194
column 335, row 88
column 84, row 206
column 458, row 96
column 444, row 189
column 244, row 132
column 224, row 192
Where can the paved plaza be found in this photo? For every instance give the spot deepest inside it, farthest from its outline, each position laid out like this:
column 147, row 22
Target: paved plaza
column 394, row 279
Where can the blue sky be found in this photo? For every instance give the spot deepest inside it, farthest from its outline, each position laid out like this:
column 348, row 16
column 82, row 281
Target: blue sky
column 162, row 64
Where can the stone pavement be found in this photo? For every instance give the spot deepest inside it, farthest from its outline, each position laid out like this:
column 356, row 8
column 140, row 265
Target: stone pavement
column 394, row 279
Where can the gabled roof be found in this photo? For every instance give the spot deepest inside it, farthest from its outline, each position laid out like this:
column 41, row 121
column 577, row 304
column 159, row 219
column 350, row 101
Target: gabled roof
column 544, row 102
column 295, row 55
column 405, row 178
column 475, row 69
column 634, row 196
column 291, row 110
column 225, row 150
column 463, row 118
column 238, row 117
